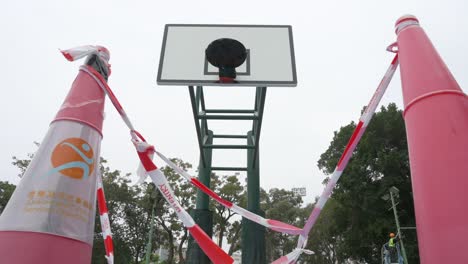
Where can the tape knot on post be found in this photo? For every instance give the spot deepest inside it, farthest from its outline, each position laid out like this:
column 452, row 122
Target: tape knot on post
column 393, row 47
column 405, row 22
column 143, row 147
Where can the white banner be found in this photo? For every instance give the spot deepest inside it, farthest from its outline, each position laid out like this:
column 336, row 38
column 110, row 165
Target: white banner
column 57, row 193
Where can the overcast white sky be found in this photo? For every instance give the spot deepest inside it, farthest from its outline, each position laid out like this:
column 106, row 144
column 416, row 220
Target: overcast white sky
column 340, row 59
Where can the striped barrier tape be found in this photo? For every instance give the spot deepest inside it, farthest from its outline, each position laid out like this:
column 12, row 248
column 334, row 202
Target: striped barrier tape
column 217, row 255
column 269, row 223
column 343, row 162
column 105, row 223
column 74, row 54
column 144, row 151
column 293, row 256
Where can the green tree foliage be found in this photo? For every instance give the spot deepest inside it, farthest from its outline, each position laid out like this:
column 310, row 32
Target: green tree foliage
column 353, row 225
column 324, row 238
column 230, row 189
column 174, row 233
column 357, row 219
column 6, row 190
column 128, row 215
column 130, row 210
column 23, row 164
column 285, row 206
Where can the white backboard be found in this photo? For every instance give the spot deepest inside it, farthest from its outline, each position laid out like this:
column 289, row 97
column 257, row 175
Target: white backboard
column 270, row 61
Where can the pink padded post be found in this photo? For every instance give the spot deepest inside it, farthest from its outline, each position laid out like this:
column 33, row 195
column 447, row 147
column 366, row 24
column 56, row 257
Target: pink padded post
column 48, row 235
column 84, row 103
column 31, row 247
column 436, row 117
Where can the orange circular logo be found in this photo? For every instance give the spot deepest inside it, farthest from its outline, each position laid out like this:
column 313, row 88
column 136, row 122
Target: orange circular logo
column 74, row 158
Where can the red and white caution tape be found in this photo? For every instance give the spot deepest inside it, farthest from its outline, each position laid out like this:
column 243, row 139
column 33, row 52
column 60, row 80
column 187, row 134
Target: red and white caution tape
column 293, row 256
column 136, row 137
column 145, row 151
column 208, row 246
column 215, row 253
column 105, row 223
column 72, row 55
column 80, row 52
column 353, row 141
column 269, row 223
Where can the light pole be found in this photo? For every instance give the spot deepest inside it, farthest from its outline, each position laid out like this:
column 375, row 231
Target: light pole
column 394, row 193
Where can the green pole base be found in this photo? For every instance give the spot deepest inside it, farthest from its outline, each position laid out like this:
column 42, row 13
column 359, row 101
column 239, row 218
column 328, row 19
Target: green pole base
column 204, row 218
column 253, row 241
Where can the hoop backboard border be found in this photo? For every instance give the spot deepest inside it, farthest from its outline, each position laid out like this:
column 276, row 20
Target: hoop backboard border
column 292, row 83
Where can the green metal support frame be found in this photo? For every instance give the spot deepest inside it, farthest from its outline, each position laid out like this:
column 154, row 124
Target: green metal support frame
column 253, row 235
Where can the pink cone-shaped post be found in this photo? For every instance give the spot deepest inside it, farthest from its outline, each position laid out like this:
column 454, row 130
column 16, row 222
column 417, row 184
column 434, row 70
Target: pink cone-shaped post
column 436, row 117
column 50, row 217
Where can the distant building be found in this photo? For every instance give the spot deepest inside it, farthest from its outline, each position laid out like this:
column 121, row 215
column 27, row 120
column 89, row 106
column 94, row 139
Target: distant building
column 237, row 256
column 162, row 253
column 299, row 191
